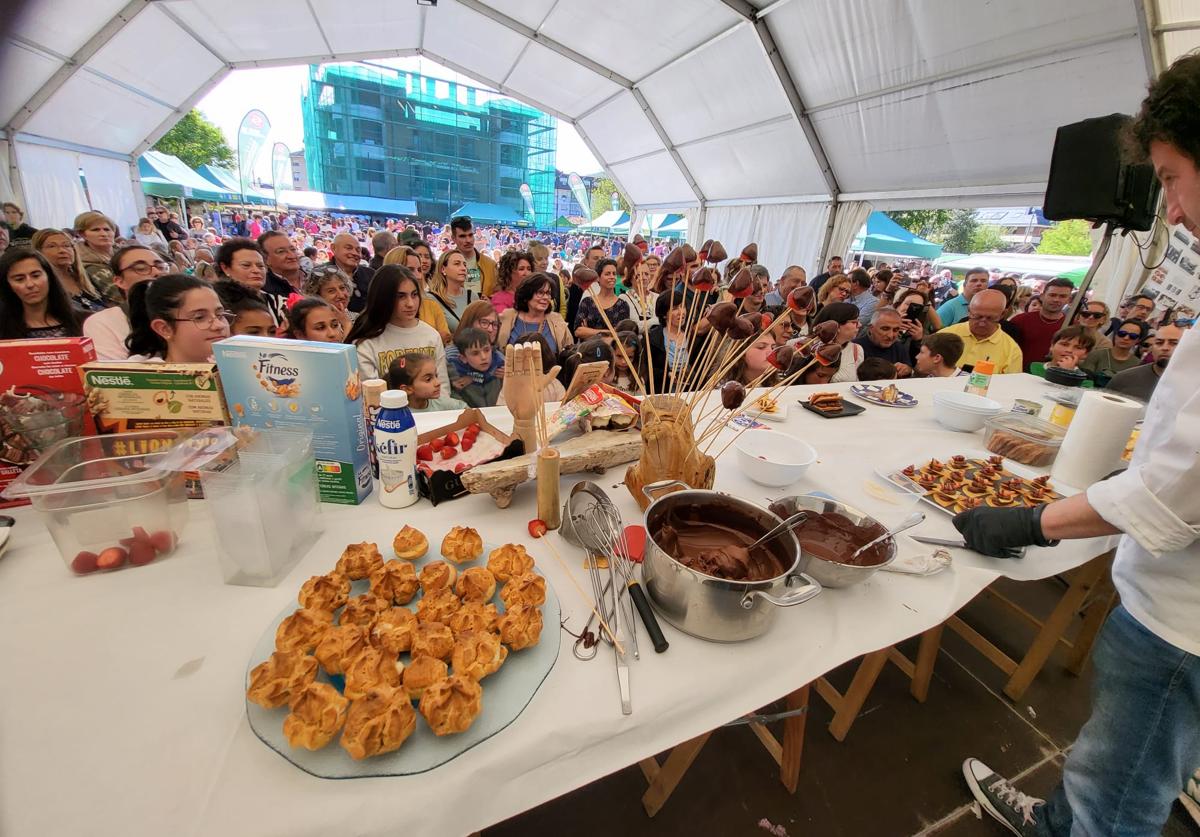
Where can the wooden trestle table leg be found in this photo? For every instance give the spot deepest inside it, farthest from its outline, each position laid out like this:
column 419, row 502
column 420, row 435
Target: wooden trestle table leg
column 664, row 778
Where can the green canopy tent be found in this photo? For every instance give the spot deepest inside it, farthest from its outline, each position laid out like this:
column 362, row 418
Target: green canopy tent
column 166, row 176
column 225, row 179
column 883, row 236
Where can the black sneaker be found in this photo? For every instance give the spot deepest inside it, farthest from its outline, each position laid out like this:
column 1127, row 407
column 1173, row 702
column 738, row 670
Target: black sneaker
column 1007, row 805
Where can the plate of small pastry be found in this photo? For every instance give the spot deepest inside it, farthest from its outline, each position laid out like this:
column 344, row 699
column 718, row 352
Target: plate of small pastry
column 888, row 396
column 394, row 667
column 963, row 482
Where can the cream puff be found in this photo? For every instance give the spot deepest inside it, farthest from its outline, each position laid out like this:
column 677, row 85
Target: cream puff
column 477, row 654
column 371, row 667
column 274, row 681
column 422, row 672
column 317, row 713
column 474, row 616
column 325, row 592
column 509, row 560
column 395, row 581
column 521, row 627
column 393, row 629
column 475, row 584
column 529, row 588
column 362, row 610
column 410, row 544
column 437, row 575
column 437, row 606
column 359, row 560
column 462, row 544
column 379, row 722
column 432, row 639
column 302, row 630
column 339, row 646
column 451, row 704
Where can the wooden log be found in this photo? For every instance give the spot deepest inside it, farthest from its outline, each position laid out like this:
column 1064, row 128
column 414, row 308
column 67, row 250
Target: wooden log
column 592, row 452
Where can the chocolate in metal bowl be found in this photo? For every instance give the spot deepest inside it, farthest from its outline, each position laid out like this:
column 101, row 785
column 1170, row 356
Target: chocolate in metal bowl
column 710, row 595
column 835, row 531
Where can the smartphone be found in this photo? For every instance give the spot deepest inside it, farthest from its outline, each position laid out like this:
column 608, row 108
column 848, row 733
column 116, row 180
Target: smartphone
column 916, row 313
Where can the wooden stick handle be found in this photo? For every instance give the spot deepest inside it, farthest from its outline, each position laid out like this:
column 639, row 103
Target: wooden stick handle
column 549, row 466
column 616, row 643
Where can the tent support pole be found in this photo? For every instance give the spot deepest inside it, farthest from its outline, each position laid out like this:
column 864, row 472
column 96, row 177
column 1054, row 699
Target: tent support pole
column 823, row 256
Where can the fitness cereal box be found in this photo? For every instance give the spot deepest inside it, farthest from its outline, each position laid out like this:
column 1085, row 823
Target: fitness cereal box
column 271, row 382
column 41, row 400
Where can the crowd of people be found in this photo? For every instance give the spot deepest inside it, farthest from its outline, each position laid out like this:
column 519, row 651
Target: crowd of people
column 431, row 306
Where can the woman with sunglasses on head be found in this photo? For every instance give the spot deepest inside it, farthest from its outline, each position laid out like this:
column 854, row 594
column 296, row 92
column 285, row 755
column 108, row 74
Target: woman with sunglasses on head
column 845, row 314
column 32, row 301
column 1093, row 316
column 176, row 318
column 1103, row 363
column 532, row 313
column 60, row 252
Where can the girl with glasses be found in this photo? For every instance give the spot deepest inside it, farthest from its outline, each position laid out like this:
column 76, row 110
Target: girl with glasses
column 176, row 318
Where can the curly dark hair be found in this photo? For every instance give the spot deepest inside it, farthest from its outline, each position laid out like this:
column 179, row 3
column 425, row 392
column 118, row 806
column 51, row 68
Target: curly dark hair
column 1169, row 113
column 508, row 266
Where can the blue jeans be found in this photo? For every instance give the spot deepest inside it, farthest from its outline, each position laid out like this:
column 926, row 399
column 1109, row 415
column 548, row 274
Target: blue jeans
column 1133, row 756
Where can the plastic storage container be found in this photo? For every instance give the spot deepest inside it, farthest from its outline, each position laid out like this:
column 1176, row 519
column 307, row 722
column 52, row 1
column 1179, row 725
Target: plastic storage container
column 110, row 502
column 1024, row 439
column 264, row 501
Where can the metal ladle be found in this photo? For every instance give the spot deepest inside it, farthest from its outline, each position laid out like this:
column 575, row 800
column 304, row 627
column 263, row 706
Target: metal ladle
column 798, row 517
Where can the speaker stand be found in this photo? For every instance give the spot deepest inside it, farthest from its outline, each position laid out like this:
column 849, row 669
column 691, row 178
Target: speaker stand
column 1101, row 252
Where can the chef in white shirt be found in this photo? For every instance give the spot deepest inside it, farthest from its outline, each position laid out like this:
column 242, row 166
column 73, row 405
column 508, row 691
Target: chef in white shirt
column 1142, row 740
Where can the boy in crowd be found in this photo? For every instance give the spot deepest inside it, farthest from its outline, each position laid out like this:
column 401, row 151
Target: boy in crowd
column 1070, row 346
column 481, row 363
column 939, row 354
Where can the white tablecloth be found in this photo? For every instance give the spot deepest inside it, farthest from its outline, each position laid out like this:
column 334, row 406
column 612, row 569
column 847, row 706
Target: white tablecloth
column 121, row 703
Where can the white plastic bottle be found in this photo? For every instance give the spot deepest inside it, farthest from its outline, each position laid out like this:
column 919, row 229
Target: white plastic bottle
column 396, row 450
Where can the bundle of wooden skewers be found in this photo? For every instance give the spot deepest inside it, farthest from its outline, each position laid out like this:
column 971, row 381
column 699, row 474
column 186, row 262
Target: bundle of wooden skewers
column 675, row 444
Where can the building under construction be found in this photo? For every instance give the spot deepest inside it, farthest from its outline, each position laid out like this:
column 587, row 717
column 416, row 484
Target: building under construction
column 451, row 148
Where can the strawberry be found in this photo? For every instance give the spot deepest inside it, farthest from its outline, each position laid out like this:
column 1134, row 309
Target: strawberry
column 436, row 445
column 472, row 430
column 142, row 552
column 449, row 453
column 538, row 528
column 425, row 453
column 460, row 467
column 468, row 442
column 110, row 558
column 163, row 541
column 452, row 439
column 84, row 562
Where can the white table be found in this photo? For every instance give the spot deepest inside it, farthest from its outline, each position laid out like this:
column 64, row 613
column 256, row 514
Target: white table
column 122, row 707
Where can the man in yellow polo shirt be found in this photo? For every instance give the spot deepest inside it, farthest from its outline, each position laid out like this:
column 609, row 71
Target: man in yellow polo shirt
column 982, row 337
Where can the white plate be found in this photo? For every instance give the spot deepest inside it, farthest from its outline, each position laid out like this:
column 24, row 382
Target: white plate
column 870, row 393
column 505, row 695
column 780, row 414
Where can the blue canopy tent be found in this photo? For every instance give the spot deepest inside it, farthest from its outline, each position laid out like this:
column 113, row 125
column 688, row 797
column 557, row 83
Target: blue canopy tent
column 227, row 180
column 883, row 236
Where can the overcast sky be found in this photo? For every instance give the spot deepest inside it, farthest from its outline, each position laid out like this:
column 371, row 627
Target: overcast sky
column 276, row 92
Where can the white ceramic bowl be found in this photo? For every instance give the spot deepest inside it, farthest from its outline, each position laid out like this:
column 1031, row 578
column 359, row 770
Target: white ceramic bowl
column 963, row 411
column 773, row 458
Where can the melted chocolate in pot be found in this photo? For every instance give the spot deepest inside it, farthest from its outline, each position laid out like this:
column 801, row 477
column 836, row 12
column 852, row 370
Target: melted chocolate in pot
column 714, row 540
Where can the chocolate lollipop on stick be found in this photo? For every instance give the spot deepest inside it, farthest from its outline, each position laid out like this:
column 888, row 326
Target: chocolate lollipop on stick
column 584, row 277
column 829, row 355
column 826, row 332
column 750, row 253
column 732, row 395
column 703, row 254
column 742, row 285
column 781, row 357
column 716, row 253
column 721, row 315
column 801, row 300
column 742, row 327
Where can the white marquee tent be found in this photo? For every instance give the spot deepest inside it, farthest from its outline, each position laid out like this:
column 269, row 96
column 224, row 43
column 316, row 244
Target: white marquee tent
column 781, row 121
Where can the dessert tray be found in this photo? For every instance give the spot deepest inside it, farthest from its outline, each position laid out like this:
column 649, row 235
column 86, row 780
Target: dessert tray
column 505, row 692
column 964, row 481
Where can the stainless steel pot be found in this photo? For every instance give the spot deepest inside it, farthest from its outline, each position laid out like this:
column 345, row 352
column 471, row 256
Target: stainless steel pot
column 715, row 608
column 829, row 573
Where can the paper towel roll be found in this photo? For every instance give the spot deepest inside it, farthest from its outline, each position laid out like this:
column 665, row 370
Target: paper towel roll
column 1096, row 439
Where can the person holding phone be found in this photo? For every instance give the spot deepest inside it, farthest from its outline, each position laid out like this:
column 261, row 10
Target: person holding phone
column 917, row 318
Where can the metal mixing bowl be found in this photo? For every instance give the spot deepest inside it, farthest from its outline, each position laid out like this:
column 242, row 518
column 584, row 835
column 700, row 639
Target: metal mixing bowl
column 830, row 573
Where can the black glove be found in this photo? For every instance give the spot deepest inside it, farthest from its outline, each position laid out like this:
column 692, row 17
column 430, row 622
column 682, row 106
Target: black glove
column 1001, row 533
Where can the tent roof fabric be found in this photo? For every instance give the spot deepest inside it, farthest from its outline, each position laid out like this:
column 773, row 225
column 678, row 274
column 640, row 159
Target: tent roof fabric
column 607, row 220
column 915, row 100
column 883, row 235
column 223, row 178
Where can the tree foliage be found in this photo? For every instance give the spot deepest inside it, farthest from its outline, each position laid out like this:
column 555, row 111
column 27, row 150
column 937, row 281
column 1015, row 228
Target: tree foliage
column 960, row 231
column 1067, row 238
column 922, row 222
column 197, row 142
column 602, row 191
column 986, row 239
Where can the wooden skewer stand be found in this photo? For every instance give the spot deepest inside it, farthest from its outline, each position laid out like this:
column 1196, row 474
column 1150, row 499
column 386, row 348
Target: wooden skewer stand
column 669, row 450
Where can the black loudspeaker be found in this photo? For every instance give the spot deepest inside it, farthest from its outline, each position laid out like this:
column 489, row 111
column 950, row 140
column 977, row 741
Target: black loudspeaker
column 1089, row 179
